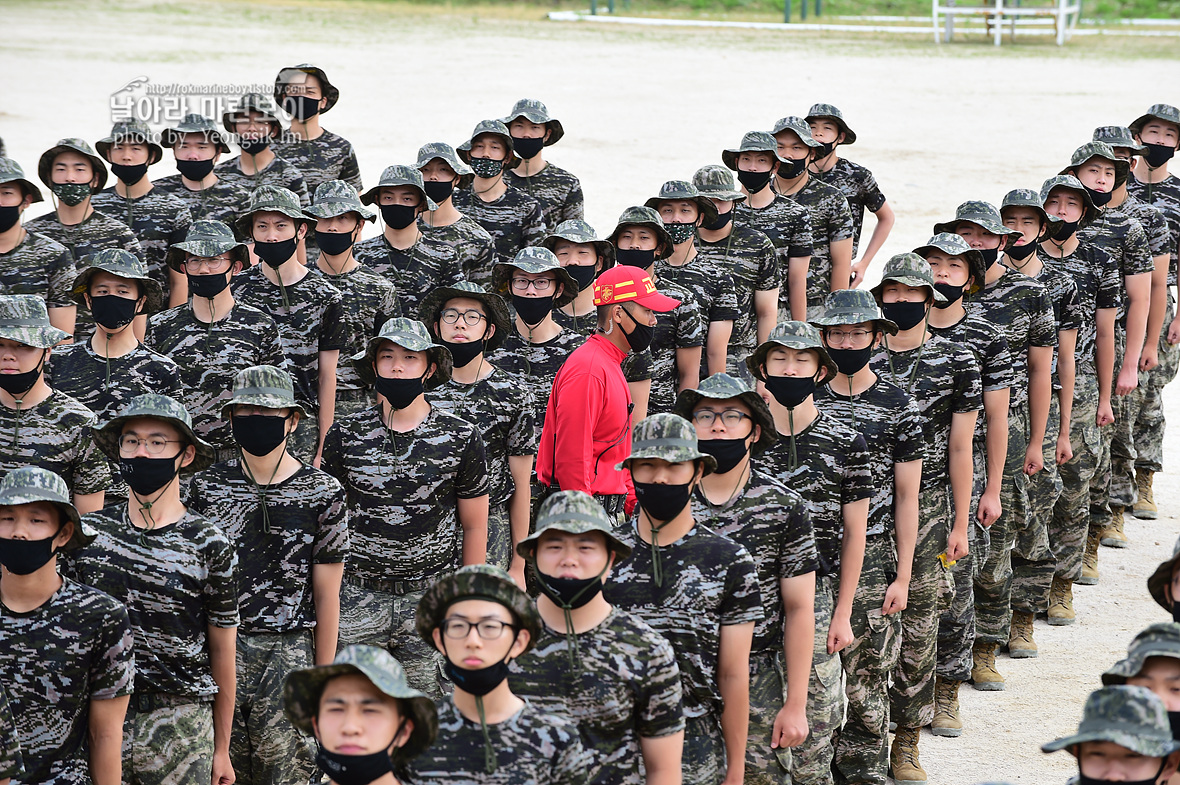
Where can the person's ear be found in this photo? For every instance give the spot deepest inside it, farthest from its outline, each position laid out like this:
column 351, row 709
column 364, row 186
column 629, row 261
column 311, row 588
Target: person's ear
column 315, row 728
column 403, row 737
column 548, row 133
column 519, row 644
column 356, row 230
column 430, row 370
column 63, row 534
column 560, row 288
column 489, row 331
column 754, row 436
column 1171, row 763
column 89, row 303
column 841, row 137
column 436, row 636
column 294, row 419
column 301, row 232
column 822, row 374
column 599, row 261
column 26, row 202
column 236, row 267
column 188, row 456
column 610, row 563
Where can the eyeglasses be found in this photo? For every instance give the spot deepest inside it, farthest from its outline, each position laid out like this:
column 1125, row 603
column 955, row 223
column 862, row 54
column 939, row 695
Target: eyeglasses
column 452, row 316
column 154, row 445
column 488, row 629
column 856, row 336
column 729, row 417
column 540, row 284
column 217, row 264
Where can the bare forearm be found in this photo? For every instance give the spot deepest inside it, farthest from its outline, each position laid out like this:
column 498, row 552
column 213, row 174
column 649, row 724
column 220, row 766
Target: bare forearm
column 473, row 517
column 997, row 446
column 106, row 740
column 1066, row 375
column 906, row 488
column 735, row 717
column 841, row 251
column 1139, row 293
column 688, row 368
column 765, row 313
column 1040, row 390
column 222, row 643
column 1159, row 300
column 1104, row 354
column 717, row 344
column 520, row 504
column 797, row 286
column 852, row 554
column 961, row 480
column 885, row 220
column 798, row 645
column 326, row 580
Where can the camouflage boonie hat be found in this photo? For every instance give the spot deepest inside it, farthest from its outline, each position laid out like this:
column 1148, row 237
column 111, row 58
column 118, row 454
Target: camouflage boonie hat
column 1158, row 640
column 495, row 128
column 1131, row 717
column 753, row 142
column 578, row 231
column 11, row 172
column 911, row 270
column 134, row 131
column 326, row 87
column 194, row 124
column 982, row 214
column 124, row 264
column 396, row 175
column 573, row 512
column 263, row 385
column 336, row 197
column 799, row 127
column 253, row 102
column 853, row 306
column 1160, row 581
column 495, row 309
column 534, row 260
column 954, row 245
column 1027, row 197
column 830, row 112
column 206, row 239
column 668, row 437
column 535, row 112
column 1165, row 112
column 681, row 190
column 31, row 484
column 792, row 335
column 445, row 153
column 644, row 216
column 1122, row 167
column 716, row 182
column 302, row 690
column 722, row 387
column 71, row 145
column 476, row 582
column 1073, row 184
column 410, row 334
column 24, row 319
column 1119, row 136
column 159, row 407
column 271, row 199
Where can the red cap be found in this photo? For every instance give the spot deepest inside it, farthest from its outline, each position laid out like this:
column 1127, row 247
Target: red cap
column 625, row 284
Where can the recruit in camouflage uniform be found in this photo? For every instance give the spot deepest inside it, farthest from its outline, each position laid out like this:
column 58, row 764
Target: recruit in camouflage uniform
column 623, row 684
column 319, row 157
column 220, row 201
column 1131, row 717
column 471, row 244
column 557, row 191
column 268, row 168
column 56, row 659
column 1161, row 639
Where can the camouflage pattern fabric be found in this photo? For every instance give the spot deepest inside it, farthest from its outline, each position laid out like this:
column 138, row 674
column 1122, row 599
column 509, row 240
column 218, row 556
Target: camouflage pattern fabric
column 1099, row 286
column 74, row 648
column 1148, row 432
column 626, row 688
column 222, row 201
column 811, row 761
column 535, row 364
column 514, row 221
column 768, row 692
column 711, row 285
column 1044, row 489
column 1159, row 234
column 859, row 187
column 367, row 301
column 42, row 266
column 983, row 339
column 78, row 371
column 1067, row 306
column 532, row 748
column 1123, row 238
column 1071, row 513
column 327, row 157
column 310, row 526
column 386, row 619
column 1131, row 717
column 167, row 742
column 403, row 490
column 1100, row 513
column 55, row 435
column 557, row 191
column 209, row 357
column 278, row 172
column 426, row 265
column 703, row 760
column 157, row 219
column 831, row 221
column 683, row 327
column 1165, row 197
column 12, row 765
column 176, row 582
column 749, row 257
column 788, row 225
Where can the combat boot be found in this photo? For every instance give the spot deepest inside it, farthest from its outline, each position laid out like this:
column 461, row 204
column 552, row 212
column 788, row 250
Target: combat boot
column 984, row 675
column 1113, row 535
column 947, row 721
column 904, row 765
column 1021, row 645
column 1061, row 610
column 1145, row 508
column 1089, row 576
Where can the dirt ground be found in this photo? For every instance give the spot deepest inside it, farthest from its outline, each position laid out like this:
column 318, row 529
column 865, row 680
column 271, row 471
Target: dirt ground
column 937, row 126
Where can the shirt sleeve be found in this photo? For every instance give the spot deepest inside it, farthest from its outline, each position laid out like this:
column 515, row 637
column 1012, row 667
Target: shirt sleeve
column 350, row 170
column 90, row 468
column 332, row 458
column 522, row 436
column 661, row 701
column 857, row 482
column 768, row 268
column 870, row 192
column 472, row 478
column 908, row 446
column 11, row 763
column 574, row 207
column 797, row 556
column 690, row 325
column 331, row 538
column 996, row 365
column 968, row 395
column 724, row 307
column 534, row 227
column 742, row 600
column 112, row 669
column 221, row 587
column 62, row 272
column 1137, row 251
column 1042, row 330
column 333, row 331
column 800, row 238
column 1109, row 284
column 840, row 224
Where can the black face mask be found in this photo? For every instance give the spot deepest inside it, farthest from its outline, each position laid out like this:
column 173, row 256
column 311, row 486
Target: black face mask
column 1174, row 721
column 951, row 292
column 130, row 174
column 400, row 393
column 850, row 361
column 147, row 475
column 905, row 315
column 259, row 434
column 794, row 168
column 1158, row 154
column 112, row 311
column 354, row 769
column 583, row 274
column 1099, row 198
column 728, row 452
column 24, row 557
column 486, row 168
column 1084, row 780
column 990, row 255
column 207, row 286
column 790, row 391
column 754, row 181
column 720, row 222
column 301, row 107
column 398, row 216
column 570, row 593
column 479, row 681
column 635, row 257
column 439, row 192
column 640, row 336
column 9, row 216
column 532, row 310
column 527, row 147
column 1021, row 252
column 680, row 232
column 464, row 352
column 20, row 383
column 825, row 149
column 195, row 170
column 254, row 146
column 276, row 253
column 333, row 243
column 662, row 502
column 1065, row 230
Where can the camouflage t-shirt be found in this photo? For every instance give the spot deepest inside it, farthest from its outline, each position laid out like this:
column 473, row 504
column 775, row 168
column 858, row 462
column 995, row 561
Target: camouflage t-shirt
column 209, row 357
column 535, row 364
column 42, row 266
column 471, row 244
column 312, row 323
column 626, row 687
column 711, row 286
column 1121, row 236
column 11, row 762
column 403, row 491
column 787, row 224
column 223, row 201
column 308, row 525
column 501, row 406
column 710, row 582
column 176, row 582
column 859, row 187
column 55, row 435
column 749, row 257
column 558, row 192
column 1099, row 286
column 327, row 157
column 889, row 421
column 1159, row 236
column 943, row 378
column 831, row 221
column 105, row 386
column 989, row 348
column 415, row 272
column 833, row 470
column 1165, row 197
column 514, row 221
column 157, row 219
column 367, row 300
column 1067, row 309
column 278, row 172
column 55, row 659
column 771, row 523
column 531, row 748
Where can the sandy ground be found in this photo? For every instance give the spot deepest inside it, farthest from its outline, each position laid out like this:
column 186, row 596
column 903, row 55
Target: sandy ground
column 937, row 126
